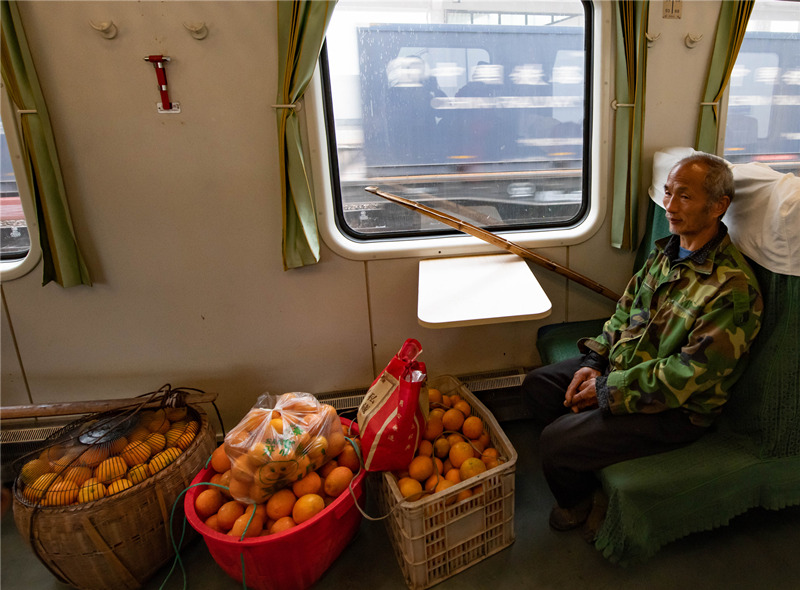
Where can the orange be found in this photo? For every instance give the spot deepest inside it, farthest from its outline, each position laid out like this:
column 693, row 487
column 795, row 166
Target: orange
column 434, row 396
column 162, row 459
column 337, row 481
column 253, row 419
column 282, row 524
column 410, row 488
column 247, row 526
column 454, row 438
column 239, row 488
column 110, row 469
column 453, row 475
column 138, row 473
column 156, row 441
column 62, row 493
column 212, row 523
column 433, row 427
column 430, row 483
column 438, row 412
column 91, row 490
column 471, row 467
column 93, row 456
column 260, row 510
column 33, row 469
column 460, row 452
column 446, row 465
column 317, row 448
column 138, row 433
column 186, row 438
column 242, row 468
column 208, row 502
column 490, row 454
column 421, row 468
column 118, row 486
column 349, row 458
column 281, row 504
column 485, row 438
column 472, row 427
column 425, row 448
column 259, row 493
column 454, row 399
column 174, row 414
column 325, row 470
column 115, row 446
column 463, row 407
column 77, row 474
column 307, row 507
column 136, row 452
column 36, row 491
column 463, row 495
column 336, row 442
column 311, row 483
column 446, row 401
column 477, row 448
column 276, row 424
column 439, row 465
column 173, row 434
column 228, row 513
column 220, row 460
column 441, row 448
column 444, row 484
column 453, row 419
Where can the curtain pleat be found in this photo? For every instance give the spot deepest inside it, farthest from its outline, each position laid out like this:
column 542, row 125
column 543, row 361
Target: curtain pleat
column 731, row 27
column 631, row 69
column 61, row 258
column 301, row 32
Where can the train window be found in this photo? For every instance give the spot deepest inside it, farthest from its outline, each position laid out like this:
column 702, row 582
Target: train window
column 763, row 120
column 18, row 253
column 482, row 114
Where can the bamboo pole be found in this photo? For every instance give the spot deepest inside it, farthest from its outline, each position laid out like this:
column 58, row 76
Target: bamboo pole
column 496, row 240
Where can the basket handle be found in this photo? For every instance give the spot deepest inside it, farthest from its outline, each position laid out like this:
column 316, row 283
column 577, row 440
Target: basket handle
column 91, row 407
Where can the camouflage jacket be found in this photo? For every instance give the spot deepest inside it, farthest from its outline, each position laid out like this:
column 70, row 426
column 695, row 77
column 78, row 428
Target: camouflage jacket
column 679, row 332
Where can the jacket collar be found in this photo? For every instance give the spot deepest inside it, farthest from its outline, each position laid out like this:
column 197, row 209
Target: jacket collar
column 701, row 260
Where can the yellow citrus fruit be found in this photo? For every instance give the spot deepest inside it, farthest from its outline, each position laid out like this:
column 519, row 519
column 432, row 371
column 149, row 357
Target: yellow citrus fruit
column 421, row 468
column 77, row 474
column 410, row 488
column 228, row 513
column 119, row 485
column 62, row 493
column 307, row 507
column 33, row 469
column 472, row 427
column 250, row 527
column 111, row 469
column 173, row 434
column 36, row 491
column 460, row 452
column 471, row 467
column 93, row 456
column 156, row 441
column 138, row 473
column 91, row 490
column 136, row 452
column 281, row 504
column 162, row 459
column 337, row 481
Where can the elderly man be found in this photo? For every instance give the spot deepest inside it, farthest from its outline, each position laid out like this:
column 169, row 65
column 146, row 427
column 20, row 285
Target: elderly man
column 660, row 372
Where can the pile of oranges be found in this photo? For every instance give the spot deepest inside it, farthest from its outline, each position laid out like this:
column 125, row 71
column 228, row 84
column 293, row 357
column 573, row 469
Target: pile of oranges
column 455, row 447
column 285, row 508
column 77, row 473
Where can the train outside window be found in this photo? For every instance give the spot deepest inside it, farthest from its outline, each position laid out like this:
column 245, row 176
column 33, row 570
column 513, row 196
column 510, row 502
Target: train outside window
column 15, row 241
column 480, row 114
column 763, row 118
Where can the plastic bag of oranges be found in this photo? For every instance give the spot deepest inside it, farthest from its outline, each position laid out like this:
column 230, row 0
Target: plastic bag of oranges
column 279, row 441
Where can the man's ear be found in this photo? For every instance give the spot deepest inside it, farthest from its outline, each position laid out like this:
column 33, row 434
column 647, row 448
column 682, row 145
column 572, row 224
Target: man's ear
column 721, row 206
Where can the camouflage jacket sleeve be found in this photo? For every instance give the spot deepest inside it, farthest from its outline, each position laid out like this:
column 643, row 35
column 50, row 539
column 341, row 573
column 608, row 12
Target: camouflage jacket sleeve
column 678, row 333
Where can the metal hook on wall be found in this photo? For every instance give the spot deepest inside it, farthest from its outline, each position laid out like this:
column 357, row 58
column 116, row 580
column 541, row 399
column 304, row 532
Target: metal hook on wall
column 106, row 28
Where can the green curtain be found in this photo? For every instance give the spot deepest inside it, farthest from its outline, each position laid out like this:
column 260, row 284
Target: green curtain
column 631, row 65
column 731, row 26
column 61, row 258
column 301, row 31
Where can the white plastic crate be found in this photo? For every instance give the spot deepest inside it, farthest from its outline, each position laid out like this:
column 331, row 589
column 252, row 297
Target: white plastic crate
column 436, row 537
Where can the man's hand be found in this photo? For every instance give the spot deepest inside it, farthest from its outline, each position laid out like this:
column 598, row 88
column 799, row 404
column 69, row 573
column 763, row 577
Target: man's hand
column 581, row 392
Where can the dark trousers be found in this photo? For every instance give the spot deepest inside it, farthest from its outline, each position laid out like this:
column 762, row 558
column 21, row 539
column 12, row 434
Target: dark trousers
column 574, row 446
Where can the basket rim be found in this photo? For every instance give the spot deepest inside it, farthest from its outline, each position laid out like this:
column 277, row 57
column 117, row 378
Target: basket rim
column 138, row 488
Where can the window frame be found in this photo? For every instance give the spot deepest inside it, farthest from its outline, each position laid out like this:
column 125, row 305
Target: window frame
column 14, row 269
column 453, row 243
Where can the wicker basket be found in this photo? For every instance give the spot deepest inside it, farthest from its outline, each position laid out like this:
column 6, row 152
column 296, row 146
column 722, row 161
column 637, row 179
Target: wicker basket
column 119, row 541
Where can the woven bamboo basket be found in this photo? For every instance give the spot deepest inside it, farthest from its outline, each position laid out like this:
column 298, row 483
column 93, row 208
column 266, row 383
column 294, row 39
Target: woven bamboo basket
column 119, row 541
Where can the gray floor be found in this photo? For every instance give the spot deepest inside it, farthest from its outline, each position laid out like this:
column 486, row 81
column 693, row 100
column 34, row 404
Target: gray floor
column 757, row 550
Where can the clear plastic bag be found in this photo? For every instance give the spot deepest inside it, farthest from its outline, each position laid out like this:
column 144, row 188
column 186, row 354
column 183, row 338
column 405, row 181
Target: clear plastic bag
column 279, row 441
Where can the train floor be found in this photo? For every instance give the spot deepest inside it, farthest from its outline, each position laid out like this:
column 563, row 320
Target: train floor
column 756, row 550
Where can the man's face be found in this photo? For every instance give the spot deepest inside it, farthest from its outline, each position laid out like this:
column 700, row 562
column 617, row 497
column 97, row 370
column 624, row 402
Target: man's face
column 689, row 212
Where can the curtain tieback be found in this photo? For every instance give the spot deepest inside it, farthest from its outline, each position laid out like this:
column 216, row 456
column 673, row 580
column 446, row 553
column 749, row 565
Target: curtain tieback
column 295, row 106
column 709, row 104
column 615, row 105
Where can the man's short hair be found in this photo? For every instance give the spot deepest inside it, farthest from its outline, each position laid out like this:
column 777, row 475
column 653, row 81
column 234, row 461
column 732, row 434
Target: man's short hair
column 719, row 178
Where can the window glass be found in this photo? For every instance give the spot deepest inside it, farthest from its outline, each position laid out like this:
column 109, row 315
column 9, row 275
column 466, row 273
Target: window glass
column 763, row 120
column 478, row 113
column 14, row 239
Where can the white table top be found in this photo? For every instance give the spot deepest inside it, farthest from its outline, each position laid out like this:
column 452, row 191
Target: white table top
column 474, row 290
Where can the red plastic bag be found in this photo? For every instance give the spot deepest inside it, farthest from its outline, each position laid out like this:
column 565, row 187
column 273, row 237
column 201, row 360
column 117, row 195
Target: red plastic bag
column 390, row 418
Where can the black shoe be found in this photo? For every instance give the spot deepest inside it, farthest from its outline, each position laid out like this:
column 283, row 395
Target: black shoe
column 566, row 519
column 596, row 517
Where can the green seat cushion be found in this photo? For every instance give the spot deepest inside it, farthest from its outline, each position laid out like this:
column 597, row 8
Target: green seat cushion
column 558, row 342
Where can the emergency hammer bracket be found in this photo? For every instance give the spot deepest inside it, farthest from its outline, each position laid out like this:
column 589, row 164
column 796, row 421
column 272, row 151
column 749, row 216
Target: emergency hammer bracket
column 165, row 106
